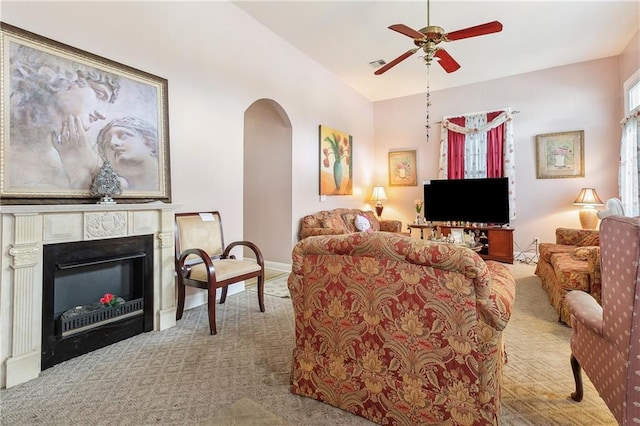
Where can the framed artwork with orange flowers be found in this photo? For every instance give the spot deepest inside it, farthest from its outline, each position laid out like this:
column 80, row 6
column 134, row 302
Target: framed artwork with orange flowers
column 403, row 168
column 336, row 162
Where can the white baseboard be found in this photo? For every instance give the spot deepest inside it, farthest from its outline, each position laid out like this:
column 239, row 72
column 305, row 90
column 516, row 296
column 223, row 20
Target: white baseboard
column 199, row 297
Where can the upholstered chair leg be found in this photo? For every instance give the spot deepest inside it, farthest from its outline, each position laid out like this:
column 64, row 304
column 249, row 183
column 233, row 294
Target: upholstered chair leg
column 211, row 301
column 180, row 308
column 261, row 292
column 223, row 295
column 577, row 376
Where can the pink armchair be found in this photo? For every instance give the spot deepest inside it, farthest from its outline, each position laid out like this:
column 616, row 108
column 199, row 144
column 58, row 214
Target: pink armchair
column 399, row 330
column 605, row 340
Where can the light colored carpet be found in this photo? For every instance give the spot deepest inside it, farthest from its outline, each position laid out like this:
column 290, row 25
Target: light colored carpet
column 275, row 283
column 184, row 376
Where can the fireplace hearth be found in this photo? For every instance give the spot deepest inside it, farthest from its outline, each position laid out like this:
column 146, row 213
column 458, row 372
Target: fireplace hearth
column 75, row 277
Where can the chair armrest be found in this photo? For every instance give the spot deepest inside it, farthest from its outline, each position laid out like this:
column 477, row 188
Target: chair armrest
column 577, row 237
column 391, row 225
column 183, row 266
column 254, row 248
column 595, row 276
column 585, row 310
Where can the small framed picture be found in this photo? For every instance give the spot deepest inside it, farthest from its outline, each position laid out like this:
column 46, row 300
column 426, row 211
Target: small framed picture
column 403, row 168
column 458, row 235
column 560, row 155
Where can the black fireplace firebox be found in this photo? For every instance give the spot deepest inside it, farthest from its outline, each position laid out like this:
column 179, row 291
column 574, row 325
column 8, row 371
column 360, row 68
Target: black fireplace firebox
column 76, row 276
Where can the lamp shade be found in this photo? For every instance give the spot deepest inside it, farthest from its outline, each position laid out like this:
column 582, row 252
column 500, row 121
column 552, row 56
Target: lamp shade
column 588, row 197
column 378, row 194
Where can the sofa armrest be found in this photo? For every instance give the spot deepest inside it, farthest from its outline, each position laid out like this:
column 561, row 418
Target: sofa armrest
column 391, row 225
column 585, row 310
column 577, row 237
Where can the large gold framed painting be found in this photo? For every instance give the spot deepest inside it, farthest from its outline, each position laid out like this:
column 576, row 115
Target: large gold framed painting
column 67, row 115
column 336, row 161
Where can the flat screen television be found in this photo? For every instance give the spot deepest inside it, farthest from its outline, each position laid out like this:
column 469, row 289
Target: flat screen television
column 480, row 201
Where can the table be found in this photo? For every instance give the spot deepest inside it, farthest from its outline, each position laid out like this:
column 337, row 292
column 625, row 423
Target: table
column 421, row 227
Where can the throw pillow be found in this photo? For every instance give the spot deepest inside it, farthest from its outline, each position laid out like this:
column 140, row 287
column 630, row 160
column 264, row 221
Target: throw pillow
column 362, row 223
column 349, row 221
column 375, row 225
column 334, row 221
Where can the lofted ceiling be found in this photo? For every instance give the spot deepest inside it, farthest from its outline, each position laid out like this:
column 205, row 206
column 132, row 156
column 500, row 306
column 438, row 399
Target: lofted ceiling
column 345, row 36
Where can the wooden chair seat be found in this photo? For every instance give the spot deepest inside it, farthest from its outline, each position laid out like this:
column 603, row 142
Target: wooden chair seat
column 203, row 261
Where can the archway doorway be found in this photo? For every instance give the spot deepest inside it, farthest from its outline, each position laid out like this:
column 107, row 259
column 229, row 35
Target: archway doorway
column 267, row 192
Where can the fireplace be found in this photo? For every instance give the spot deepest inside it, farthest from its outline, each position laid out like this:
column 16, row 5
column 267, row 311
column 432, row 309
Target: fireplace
column 30, row 232
column 76, row 276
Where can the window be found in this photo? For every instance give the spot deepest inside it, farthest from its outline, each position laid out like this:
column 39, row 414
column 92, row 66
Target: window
column 629, row 172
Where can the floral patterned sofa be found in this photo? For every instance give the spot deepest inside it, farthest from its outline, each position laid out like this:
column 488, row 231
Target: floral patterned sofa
column 399, row 330
column 571, row 263
column 342, row 221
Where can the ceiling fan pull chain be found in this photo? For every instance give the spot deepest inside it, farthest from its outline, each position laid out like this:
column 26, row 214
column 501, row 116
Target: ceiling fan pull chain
column 428, row 125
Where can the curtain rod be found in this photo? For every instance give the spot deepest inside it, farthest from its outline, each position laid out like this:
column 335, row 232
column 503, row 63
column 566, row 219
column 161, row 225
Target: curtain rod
column 481, row 112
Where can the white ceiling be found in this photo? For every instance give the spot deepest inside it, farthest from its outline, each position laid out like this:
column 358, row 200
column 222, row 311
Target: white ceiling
column 344, row 36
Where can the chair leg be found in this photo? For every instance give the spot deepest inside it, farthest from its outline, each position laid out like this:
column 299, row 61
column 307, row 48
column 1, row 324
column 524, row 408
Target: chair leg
column 211, row 294
column 223, row 294
column 577, row 376
column 180, row 308
column 261, row 291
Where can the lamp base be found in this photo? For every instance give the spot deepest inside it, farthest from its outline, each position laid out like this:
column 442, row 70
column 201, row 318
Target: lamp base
column 379, row 210
column 588, row 218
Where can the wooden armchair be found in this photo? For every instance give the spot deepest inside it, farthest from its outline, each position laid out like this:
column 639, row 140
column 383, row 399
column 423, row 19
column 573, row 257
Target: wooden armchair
column 203, row 261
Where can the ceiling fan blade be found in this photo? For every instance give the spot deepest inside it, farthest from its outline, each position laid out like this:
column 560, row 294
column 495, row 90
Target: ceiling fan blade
column 396, row 61
column 478, row 30
column 446, row 61
column 409, row 32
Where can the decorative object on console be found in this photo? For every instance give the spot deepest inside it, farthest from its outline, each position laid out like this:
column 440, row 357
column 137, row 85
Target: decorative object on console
column 613, row 206
column 106, row 184
column 379, row 196
column 402, row 168
column 336, row 149
column 588, row 199
column 38, row 70
column 560, row 155
column 418, row 205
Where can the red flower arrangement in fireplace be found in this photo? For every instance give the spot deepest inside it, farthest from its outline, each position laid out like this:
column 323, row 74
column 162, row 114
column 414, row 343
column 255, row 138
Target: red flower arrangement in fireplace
column 109, row 300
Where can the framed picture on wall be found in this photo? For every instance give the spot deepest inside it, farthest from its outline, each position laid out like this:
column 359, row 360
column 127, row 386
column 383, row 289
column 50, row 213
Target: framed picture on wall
column 560, row 155
column 336, row 162
column 68, row 114
column 403, row 168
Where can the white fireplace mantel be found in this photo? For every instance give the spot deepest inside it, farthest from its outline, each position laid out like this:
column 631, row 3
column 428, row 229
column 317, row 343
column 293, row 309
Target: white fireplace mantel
column 26, row 228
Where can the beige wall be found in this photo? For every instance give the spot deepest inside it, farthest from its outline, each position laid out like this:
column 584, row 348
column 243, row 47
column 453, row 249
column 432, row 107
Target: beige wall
column 216, row 70
column 585, row 96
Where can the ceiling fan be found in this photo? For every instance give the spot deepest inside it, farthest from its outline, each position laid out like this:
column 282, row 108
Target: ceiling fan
column 430, row 36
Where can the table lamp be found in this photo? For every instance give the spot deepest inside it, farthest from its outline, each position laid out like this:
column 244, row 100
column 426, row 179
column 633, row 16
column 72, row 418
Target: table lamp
column 379, row 196
column 588, row 199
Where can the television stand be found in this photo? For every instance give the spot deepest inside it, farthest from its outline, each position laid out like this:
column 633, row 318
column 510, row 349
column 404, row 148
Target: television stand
column 497, row 241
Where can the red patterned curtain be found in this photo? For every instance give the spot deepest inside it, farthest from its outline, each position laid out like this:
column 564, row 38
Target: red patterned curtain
column 495, row 144
column 456, row 150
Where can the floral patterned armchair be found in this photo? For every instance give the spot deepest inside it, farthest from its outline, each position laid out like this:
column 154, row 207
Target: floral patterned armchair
column 399, row 330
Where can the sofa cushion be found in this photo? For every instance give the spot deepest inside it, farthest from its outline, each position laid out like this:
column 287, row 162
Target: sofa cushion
column 572, row 274
column 362, row 223
column 546, row 250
